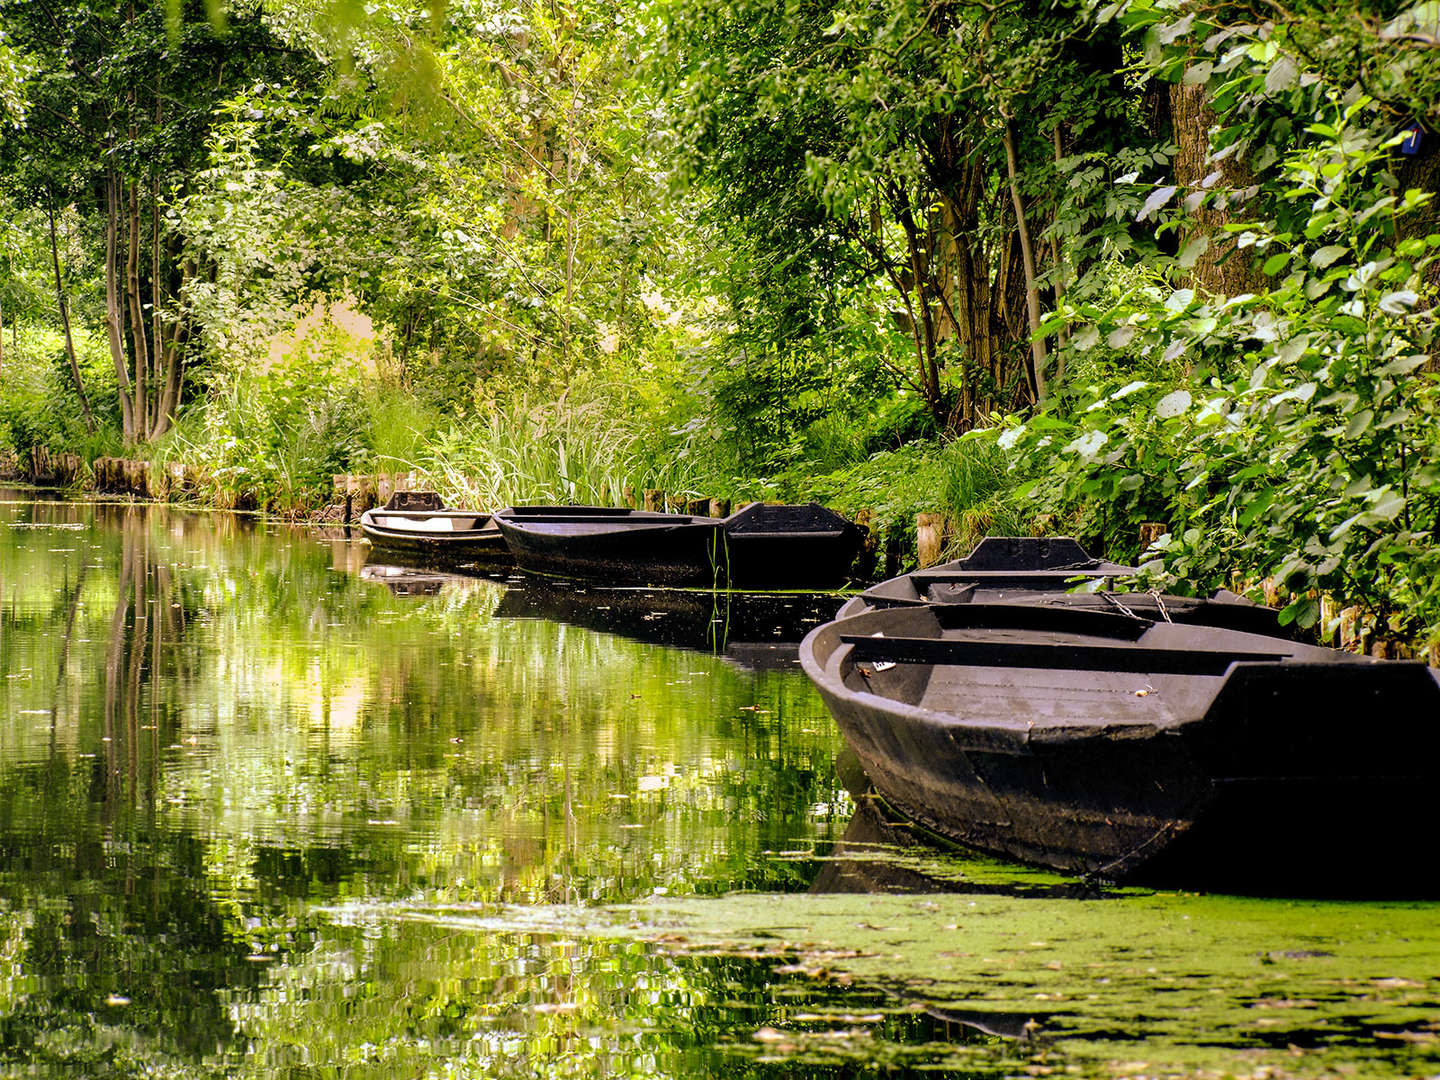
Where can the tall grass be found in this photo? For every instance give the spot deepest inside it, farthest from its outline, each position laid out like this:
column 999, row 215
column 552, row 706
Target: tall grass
column 582, row 449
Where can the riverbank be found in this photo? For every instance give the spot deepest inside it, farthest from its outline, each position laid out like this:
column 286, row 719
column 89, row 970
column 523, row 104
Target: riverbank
column 899, row 538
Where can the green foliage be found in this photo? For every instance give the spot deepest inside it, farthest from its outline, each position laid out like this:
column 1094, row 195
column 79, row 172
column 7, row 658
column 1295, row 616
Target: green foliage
column 586, row 449
column 967, row 479
column 1295, row 431
column 38, row 404
column 277, row 437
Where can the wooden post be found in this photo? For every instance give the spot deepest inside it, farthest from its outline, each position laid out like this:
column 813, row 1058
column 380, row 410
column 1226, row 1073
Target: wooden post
column 675, row 504
column 698, row 507
column 1272, row 591
column 604, row 493
column 70, row 466
column 1150, row 531
column 629, row 497
column 137, row 478
column 364, row 493
column 864, row 568
column 176, row 478
column 1329, row 617
column 929, row 535
column 385, row 486
column 654, row 500
column 719, row 508
column 1350, row 630
column 343, row 494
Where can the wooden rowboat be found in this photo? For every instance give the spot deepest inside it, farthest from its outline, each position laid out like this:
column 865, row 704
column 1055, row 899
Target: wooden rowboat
column 1115, row 746
column 1054, row 572
column 419, row 529
column 759, row 546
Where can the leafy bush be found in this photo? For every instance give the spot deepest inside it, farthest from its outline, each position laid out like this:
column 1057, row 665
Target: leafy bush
column 1299, row 438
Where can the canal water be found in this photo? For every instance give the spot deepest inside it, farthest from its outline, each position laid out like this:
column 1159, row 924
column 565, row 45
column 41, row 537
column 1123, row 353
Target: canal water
column 265, row 811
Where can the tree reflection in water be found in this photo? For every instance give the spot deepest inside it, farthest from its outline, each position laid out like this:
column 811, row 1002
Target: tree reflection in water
column 262, row 817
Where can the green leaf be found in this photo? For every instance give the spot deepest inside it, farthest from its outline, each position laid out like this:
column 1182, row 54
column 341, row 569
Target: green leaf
column 1402, row 365
column 1176, row 403
column 1359, row 424
column 1158, row 198
column 1397, row 303
column 1276, row 263
column 1192, row 252
column 1327, row 255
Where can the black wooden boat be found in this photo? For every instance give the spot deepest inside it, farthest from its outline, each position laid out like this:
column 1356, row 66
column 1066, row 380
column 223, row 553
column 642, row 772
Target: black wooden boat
column 759, row 546
column 1119, row 747
column 413, row 525
column 1000, row 568
column 1054, row 572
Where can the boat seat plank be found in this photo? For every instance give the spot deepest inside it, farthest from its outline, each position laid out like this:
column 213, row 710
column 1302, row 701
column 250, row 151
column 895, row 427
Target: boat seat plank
column 1037, row 654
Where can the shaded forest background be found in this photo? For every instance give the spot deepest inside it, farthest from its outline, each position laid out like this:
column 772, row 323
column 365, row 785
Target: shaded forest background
column 1065, row 267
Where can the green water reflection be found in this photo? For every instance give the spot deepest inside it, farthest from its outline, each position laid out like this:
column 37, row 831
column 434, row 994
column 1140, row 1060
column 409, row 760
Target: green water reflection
column 264, row 814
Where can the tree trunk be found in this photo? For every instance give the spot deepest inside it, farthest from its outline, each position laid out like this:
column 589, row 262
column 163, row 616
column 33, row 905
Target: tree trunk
column 65, row 321
column 1027, row 257
column 112, row 305
column 1223, row 269
column 174, row 370
column 137, row 313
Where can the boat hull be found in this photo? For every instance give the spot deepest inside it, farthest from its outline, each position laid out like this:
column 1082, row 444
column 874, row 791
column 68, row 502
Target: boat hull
column 623, row 547
column 758, row 547
column 1253, row 778
column 444, row 537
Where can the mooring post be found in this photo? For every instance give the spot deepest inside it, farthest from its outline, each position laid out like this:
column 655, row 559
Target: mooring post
column 628, row 497
column 1150, row 531
column 655, row 500
column 865, row 559
column 929, row 536
column 719, row 508
column 342, row 492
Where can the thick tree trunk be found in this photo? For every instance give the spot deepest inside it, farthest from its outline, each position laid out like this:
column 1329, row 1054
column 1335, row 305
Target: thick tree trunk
column 65, row 322
column 1223, row 268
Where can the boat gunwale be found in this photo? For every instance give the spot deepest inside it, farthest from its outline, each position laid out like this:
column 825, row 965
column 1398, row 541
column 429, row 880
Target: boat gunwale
column 828, row 676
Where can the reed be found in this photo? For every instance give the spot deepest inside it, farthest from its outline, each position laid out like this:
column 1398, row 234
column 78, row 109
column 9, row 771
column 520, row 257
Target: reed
column 577, row 450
